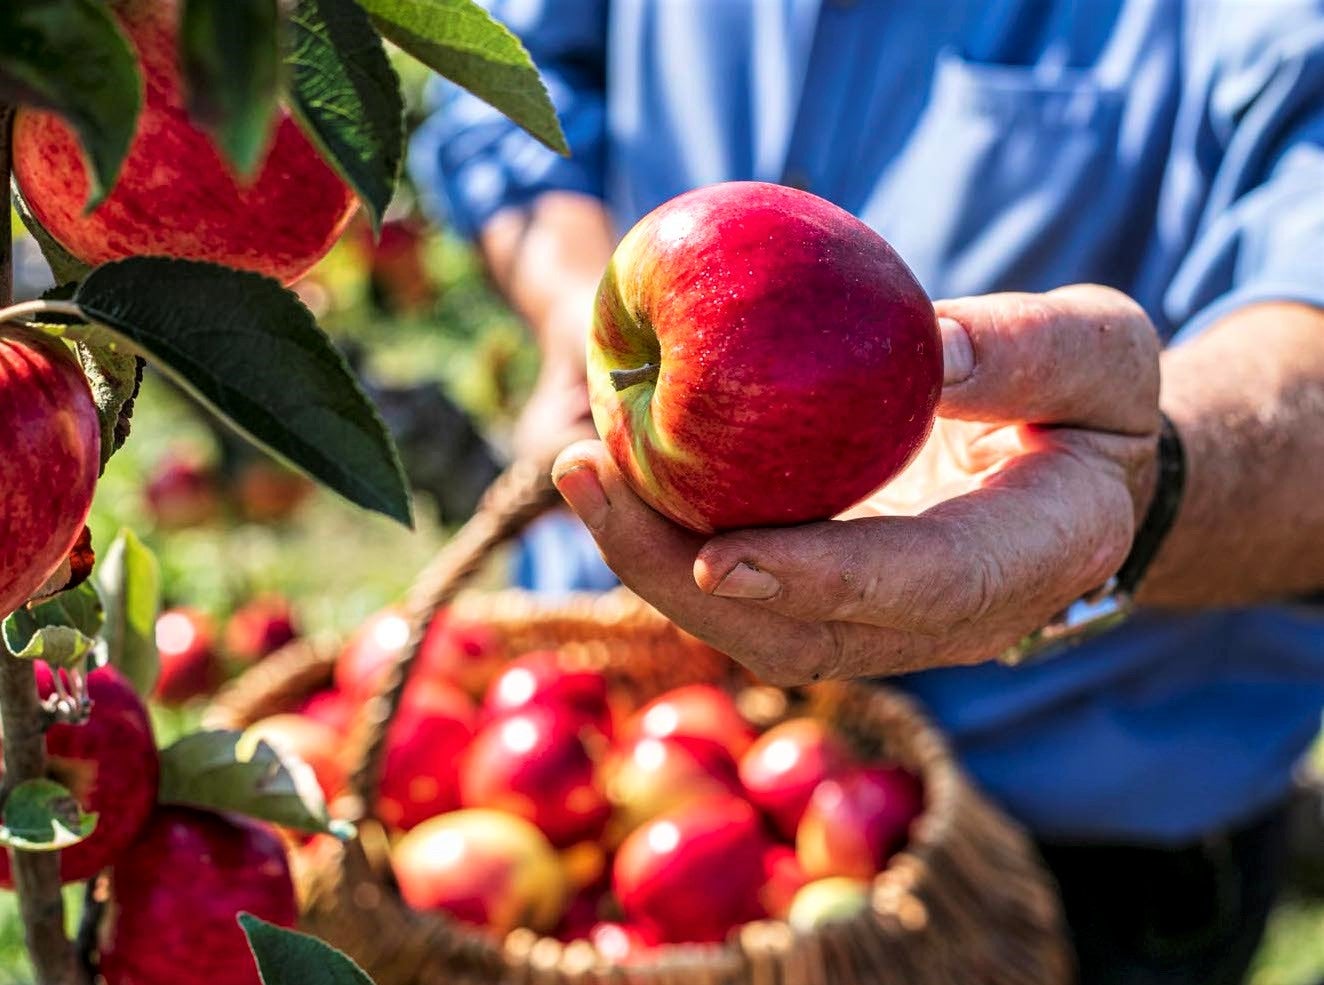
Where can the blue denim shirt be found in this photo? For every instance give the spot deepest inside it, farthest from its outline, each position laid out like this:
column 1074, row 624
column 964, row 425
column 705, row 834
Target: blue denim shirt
column 1171, row 148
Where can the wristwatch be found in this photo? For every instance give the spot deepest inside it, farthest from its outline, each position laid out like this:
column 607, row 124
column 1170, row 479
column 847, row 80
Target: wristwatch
column 1109, row 605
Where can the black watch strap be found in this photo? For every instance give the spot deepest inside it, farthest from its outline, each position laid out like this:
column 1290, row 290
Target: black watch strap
column 1168, row 488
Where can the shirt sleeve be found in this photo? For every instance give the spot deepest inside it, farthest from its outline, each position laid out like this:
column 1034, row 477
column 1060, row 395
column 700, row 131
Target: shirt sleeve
column 468, row 161
column 1261, row 235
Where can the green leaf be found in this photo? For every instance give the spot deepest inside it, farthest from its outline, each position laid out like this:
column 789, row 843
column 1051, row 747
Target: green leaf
column 61, row 631
column 460, row 40
column 42, row 816
column 65, row 267
column 229, row 771
column 288, row 957
column 69, row 56
column 347, row 95
column 248, row 348
column 114, row 372
column 129, row 580
column 230, row 56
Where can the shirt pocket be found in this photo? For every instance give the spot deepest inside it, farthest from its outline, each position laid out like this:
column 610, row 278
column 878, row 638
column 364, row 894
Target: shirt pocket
column 1006, row 180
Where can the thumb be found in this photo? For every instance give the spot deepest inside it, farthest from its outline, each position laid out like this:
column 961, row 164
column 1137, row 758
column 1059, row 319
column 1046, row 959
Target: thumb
column 1085, row 356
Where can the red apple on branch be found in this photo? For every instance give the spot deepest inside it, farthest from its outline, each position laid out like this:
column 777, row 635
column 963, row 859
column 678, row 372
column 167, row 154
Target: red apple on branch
column 535, row 765
column 856, row 821
column 782, row 768
column 50, row 447
column 181, row 491
column 259, row 627
column 760, row 357
column 177, row 892
column 694, row 872
column 175, row 195
column 108, row 763
column 483, row 867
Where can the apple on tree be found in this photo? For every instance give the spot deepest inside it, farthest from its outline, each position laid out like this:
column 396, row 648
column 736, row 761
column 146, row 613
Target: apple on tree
column 177, row 891
column 259, row 627
column 175, row 195
column 50, row 447
column 108, row 763
column 189, row 666
column 759, row 357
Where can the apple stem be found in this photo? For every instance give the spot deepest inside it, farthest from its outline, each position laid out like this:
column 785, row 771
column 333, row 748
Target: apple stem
column 623, row 379
column 23, row 723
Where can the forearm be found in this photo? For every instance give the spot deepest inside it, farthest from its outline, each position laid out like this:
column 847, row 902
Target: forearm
column 1247, row 398
column 547, row 259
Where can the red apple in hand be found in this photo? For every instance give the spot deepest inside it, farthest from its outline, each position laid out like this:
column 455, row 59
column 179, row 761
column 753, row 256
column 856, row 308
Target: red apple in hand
column 108, row 763
column 420, row 772
column 188, row 664
column 483, row 867
column 259, row 627
column 856, row 821
column 535, row 765
column 700, row 710
column 50, row 450
column 760, row 357
column 540, row 680
column 782, row 768
column 649, row 776
column 178, row 891
column 694, row 872
column 175, row 195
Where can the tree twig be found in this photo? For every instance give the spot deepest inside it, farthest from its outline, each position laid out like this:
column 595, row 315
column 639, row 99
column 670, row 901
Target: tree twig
column 23, row 724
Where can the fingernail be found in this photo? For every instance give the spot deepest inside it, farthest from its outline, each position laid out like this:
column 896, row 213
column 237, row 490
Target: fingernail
column 745, row 581
column 958, row 354
column 580, row 488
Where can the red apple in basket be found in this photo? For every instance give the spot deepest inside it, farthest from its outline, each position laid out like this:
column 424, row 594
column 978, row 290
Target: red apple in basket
column 108, row 763
column 330, row 707
column 649, row 776
column 694, row 872
column 826, row 901
column 760, row 357
column 783, row 876
column 856, row 821
column 541, row 679
column 369, row 654
column 782, row 768
column 420, row 772
column 536, row 765
column 177, row 892
column 696, row 709
column 483, row 867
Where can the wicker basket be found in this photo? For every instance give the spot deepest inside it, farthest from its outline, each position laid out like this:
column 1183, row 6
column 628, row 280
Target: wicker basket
column 967, row 902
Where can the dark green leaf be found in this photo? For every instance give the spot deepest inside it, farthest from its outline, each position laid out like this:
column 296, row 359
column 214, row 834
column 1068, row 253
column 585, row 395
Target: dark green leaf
column 460, row 40
column 42, row 816
column 129, row 580
column 69, row 56
column 61, row 630
column 348, row 96
column 229, row 771
column 287, row 957
column 113, row 372
column 65, row 267
column 248, row 348
column 230, row 56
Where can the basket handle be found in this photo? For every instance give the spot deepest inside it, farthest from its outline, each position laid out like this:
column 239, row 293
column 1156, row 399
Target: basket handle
column 521, row 494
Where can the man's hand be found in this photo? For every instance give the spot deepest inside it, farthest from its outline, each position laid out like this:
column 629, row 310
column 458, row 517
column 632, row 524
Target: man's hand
column 1025, row 496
